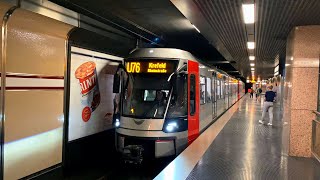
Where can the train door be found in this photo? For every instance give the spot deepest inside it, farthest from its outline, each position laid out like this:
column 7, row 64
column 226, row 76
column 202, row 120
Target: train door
column 193, row 101
column 214, row 97
column 225, row 92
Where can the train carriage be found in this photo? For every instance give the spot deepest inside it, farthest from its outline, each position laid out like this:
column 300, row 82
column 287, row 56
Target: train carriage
column 167, row 99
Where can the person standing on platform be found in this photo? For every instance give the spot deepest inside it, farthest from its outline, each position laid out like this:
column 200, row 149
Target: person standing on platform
column 251, row 92
column 268, row 105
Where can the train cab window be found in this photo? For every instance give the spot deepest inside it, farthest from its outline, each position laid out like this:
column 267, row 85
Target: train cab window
column 178, row 106
column 192, row 94
column 202, row 90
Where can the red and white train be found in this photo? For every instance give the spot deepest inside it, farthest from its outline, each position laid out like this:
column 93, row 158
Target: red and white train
column 167, row 99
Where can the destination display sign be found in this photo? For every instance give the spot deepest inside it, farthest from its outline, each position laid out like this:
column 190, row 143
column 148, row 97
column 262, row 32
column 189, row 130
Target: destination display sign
column 150, row 66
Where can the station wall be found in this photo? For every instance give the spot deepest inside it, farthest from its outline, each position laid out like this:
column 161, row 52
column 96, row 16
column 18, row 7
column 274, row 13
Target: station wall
column 37, row 49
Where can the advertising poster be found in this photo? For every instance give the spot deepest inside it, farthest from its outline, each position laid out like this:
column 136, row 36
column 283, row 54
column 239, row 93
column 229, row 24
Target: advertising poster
column 91, row 98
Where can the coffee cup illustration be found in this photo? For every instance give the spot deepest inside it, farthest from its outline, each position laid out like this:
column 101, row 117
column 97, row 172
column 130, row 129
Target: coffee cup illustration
column 86, row 73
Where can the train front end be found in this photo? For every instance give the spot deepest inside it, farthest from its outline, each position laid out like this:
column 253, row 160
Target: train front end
column 153, row 121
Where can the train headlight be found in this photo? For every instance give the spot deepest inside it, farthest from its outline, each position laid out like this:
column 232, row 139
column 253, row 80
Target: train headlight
column 117, row 123
column 172, row 126
column 175, row 125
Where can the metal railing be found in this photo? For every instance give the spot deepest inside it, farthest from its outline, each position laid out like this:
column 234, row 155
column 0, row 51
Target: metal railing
column 316, row 136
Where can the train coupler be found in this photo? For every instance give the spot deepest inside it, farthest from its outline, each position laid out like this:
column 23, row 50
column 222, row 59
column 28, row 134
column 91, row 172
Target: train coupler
column 133, row 154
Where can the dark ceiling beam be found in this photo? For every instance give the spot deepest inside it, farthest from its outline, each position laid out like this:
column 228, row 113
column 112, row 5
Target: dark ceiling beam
column 116, row 22
column 232, row 71
column 188, row 9
column 220, row 62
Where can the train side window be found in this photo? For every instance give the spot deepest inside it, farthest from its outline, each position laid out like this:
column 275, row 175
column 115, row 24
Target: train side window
column 192, row 94
column 202, row 90
column 208, row 90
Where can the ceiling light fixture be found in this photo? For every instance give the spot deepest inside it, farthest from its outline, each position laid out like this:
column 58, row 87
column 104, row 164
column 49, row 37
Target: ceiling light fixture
column 252, row 69
column 248, row 13
column 250, row 45
column 252, row 58
column 251, row 64
column 196, row 28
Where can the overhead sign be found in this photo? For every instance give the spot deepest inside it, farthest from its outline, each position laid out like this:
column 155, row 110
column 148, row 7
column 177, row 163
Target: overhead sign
column 150, row 66
column 219, row 75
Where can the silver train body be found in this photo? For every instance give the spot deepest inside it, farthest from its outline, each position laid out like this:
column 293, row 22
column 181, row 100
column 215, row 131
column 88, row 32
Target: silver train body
column 205, row 93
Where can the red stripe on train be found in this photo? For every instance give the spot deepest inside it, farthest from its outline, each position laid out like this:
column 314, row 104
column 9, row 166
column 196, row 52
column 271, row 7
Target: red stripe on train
column 193, row 120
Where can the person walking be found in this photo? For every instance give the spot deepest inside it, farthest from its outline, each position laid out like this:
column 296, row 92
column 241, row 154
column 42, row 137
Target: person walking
column 258, row 93
column 268, row 105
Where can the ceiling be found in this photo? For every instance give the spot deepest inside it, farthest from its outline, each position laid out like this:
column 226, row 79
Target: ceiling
column 223, row 34
column 273, row 22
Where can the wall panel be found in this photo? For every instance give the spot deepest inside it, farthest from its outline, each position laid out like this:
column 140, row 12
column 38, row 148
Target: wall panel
column 36, row 56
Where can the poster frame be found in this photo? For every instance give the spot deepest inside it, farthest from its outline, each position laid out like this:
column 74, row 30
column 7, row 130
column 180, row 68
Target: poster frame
column 66, row 105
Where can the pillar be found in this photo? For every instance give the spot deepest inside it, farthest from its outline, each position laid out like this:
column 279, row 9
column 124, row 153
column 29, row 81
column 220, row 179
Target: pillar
column 301, row 88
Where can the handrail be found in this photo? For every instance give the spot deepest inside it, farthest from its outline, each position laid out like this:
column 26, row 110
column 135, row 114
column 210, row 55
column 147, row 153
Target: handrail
column 316, row 112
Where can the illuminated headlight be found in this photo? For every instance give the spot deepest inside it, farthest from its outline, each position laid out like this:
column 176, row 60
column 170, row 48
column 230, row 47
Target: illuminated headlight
column 172, row 127
column 117, row 123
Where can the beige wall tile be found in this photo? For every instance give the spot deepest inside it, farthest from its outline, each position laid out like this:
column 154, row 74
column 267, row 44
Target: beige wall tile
column 36, row 44
column 32, row 112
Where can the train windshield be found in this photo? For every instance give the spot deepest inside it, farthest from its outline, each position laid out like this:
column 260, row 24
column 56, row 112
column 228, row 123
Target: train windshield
column 146, row 95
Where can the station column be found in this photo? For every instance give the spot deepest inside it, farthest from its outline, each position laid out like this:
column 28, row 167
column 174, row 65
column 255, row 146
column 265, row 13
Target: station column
column 301, row 88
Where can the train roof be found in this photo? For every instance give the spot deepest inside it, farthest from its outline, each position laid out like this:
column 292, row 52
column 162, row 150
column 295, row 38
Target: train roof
column 166, row 53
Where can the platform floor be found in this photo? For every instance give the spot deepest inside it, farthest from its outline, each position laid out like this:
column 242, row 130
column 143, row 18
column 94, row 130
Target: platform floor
column 245, row 149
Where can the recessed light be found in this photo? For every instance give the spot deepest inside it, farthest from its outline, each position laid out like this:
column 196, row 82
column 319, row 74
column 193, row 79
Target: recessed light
column 251, row 64
column 250, row 45
column 252, row 58
column 248, row 13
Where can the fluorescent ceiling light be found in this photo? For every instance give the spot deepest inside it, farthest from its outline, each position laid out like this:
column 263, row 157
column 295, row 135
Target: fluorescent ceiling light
column 250, row 45
column 252, row 69
column 248, row 13
column 252, row 58
column 196, row 28
column 251, row 64
column 252, row 72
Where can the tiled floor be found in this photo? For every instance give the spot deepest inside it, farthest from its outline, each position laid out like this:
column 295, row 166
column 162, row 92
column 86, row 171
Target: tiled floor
column 245, row 149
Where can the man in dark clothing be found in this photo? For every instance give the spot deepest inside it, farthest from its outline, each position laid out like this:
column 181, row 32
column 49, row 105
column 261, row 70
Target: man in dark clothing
column 251, row 92
column 268, row 105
